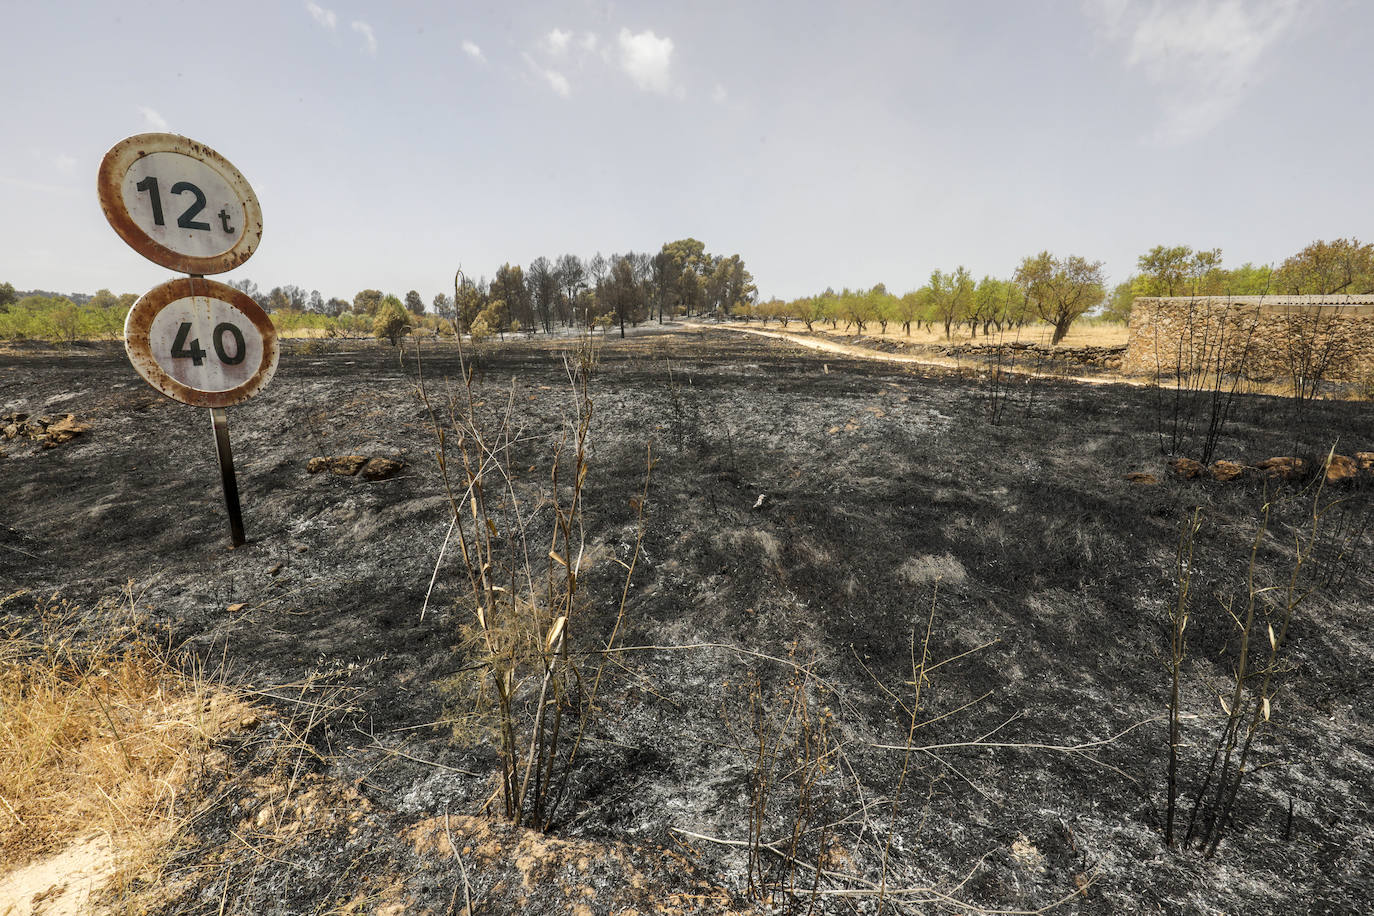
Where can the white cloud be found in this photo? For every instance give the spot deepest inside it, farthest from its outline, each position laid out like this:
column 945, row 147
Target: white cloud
column 152, row 118
column 590, row 42
column 719, row 95
column 65, row 163
column 647, row 60
column 557, row 81
column 323, row 16
column 556, row 42
column 471, row 50
column 1204, row 55
column 369, row 36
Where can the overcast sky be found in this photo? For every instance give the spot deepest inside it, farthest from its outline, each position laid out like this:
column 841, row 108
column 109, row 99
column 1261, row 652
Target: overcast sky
column 829, row 144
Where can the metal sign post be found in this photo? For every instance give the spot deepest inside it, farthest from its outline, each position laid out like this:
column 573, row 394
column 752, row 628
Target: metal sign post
column 184, row 206
column 220, row 422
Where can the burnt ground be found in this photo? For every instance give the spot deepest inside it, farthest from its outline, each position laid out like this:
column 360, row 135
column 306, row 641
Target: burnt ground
column 886, row 491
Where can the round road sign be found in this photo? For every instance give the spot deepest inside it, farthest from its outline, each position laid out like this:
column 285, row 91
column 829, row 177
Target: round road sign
column 201, row 342
column 179, row 203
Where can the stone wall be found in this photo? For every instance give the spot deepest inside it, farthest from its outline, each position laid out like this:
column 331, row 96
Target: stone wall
column 1259, row 337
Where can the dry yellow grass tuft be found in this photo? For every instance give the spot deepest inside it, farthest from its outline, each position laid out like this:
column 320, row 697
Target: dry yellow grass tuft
column 97, row 736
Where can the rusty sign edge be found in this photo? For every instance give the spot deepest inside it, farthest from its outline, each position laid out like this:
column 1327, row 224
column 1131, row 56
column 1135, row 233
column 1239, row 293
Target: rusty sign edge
column 140, row 320
column 109, row 181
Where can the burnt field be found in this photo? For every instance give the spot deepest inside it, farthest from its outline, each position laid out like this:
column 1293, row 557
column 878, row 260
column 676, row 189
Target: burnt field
column 810, row 518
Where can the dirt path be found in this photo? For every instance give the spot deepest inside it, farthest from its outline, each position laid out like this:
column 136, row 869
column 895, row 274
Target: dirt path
column 60, row 885
column 841, row 349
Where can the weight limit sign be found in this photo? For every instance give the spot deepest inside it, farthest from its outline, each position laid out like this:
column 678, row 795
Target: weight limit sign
column 179, row 203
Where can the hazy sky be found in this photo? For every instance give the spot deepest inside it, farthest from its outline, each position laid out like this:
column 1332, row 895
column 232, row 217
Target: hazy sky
column 829, row 144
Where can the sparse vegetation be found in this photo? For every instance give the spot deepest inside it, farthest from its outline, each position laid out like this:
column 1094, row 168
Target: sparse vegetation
column 527, row 611
column 1256, row 613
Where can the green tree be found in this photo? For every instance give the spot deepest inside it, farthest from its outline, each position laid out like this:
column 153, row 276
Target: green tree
column 572, row 279
column 443, row 307
column 1118, row 307
column 414, row 304
column 1326, row 268
column 988, row 305
column 391, row 321
column 367, row 302
column 65, row 321
column 687, row 263
column 909, row 309
column 509, row 287
column 103, row 299
column 495, row 317
column 8, row 296
column 1163, row 270
column 1249, row 280
column 1061, row 290
column 469, row 301
column 949, row 295
column 543, row 289
column 882, row 306
column 1179, row 271
column 622, row 292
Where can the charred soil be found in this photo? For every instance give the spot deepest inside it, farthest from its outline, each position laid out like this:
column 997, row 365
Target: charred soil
column 807, row 512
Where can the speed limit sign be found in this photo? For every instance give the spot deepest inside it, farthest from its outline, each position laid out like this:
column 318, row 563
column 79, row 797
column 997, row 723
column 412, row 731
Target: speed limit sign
column 179, row 203
column 201, row 342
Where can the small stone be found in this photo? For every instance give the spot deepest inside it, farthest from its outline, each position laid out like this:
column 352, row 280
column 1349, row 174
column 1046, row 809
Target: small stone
column 382, row 468
column 1026, row 855
column 1142, row 477
column 1282, row 468
column 275, row 570
column 1187, row 468
column 1340, row 469
column 235, row 608
column 64, row 430
column 347, row 465
column 1226, row 470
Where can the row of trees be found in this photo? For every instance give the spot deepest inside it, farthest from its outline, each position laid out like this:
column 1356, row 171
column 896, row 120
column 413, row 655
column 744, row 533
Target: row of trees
column 682, row 278
column 1053, row 289
column 50, row 316
column 1058, row 290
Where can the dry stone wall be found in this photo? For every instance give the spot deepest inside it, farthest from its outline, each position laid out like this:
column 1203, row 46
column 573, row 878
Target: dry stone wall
column 1259, row 337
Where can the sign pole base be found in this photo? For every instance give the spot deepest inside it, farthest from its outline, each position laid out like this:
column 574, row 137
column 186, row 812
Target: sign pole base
column 220, row 421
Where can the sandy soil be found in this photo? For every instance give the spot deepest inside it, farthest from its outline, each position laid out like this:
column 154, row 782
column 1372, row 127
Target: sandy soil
column 808, row 510
column 60, row 885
